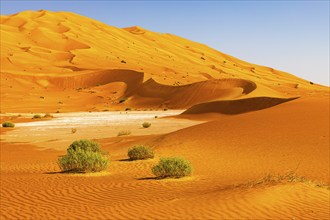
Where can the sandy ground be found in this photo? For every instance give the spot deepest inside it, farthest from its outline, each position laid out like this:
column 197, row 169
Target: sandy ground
column 258, row 138
column 229, row 184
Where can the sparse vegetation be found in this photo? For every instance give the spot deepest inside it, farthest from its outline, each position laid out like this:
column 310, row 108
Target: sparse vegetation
column 146, row 124
column 174, row 167
column 122, row 100
column 47, row 115
column 125, row 132
column 140, row 152
column 83, row 156
column 127, row 109
column 8, row 124
column 287, row 177
column 36, row 116
column 73, row 130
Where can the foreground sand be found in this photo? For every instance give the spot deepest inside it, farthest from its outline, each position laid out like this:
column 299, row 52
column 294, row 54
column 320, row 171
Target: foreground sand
column 228, row 182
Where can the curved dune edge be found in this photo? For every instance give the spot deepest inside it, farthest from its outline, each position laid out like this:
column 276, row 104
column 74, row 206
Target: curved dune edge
column 154, row 94
column 120, row 84
column 239, row 106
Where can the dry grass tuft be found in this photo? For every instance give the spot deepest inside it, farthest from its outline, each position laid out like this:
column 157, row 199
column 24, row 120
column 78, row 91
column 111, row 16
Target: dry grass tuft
column 125, row 132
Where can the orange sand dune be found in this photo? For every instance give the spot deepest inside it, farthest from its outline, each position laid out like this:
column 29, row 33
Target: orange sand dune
column 47, row 53
column 290, row 136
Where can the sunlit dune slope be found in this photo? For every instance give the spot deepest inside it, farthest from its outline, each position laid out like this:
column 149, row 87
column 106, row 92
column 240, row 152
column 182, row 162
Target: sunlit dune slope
column 293, row 136
column 44, row 53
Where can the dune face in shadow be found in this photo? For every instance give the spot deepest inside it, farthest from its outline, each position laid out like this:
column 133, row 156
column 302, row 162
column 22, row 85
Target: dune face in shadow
column 238, row 106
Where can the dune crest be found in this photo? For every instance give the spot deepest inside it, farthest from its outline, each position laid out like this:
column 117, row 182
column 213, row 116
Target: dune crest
column 49, row 45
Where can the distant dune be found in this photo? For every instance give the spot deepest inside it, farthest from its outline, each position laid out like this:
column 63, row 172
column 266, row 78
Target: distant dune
column 46, row 53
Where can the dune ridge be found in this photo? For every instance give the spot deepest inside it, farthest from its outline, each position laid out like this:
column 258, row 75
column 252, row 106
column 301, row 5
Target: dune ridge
column 48, row 45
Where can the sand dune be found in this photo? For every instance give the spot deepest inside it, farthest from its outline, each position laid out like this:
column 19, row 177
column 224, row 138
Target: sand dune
column 290, row 136
column 58, row 52
column 261, row 152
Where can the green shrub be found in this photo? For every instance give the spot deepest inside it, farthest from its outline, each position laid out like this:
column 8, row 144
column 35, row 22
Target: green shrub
column 8, row 124
column 126, row 132
column 83, row 156
column 140, row 152
column 175, row 167
column 146, row 124
column 36, row 116
column 85, row 145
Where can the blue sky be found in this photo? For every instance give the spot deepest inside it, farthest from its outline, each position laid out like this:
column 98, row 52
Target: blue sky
column 292, row 36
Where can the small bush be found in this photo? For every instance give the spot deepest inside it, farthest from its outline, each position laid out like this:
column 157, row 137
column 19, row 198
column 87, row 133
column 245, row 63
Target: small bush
column 128, row 109
column 83, row 161
column 146, row 124
column 85, row 145
column 48, row 116
column 140, row 152
column 36, row 116
column 121, row 133
column 83, row 156
column 174, row 167
column 8, row 124
column 73, row 130
column 122, row 100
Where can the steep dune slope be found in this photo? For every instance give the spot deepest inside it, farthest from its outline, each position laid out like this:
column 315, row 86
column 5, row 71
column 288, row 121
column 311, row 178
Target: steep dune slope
column 39, row 45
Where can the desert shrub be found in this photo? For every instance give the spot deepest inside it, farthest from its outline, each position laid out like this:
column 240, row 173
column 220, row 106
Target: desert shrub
column 83, row 156
column 122, row 100
column 128, row 109
column 126, row 132
column 146, row 124
column 47, row 115
column 83, row 161
column 85, row 145
column 140, row 152
column 175, row 167
column 8, row 124
column 73, row 130
column 36, row 116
